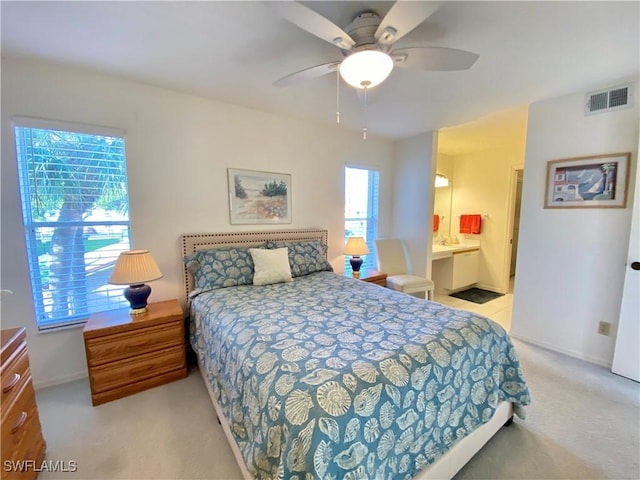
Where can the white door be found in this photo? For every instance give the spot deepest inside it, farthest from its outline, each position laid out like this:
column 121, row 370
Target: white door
column 626, row 357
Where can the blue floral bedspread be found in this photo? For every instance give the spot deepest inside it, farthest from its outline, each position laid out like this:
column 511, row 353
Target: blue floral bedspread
column 334, row 378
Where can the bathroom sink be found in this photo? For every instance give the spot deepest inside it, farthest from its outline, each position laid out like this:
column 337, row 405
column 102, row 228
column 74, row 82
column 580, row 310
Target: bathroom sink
column 443, row 248
column 439, row 252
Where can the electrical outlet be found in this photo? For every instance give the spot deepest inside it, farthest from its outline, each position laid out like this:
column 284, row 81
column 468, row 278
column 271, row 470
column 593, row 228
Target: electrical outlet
column 604, row 328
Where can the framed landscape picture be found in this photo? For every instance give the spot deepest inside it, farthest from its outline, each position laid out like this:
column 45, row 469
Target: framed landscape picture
column 259, row 197
column 599, row 181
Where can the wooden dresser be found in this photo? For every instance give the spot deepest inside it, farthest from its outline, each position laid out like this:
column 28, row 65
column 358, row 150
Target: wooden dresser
column 23, row 446
column 130, row 353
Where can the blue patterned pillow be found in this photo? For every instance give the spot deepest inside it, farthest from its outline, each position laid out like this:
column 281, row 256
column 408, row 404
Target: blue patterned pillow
column 305, row 257
column 219, row 268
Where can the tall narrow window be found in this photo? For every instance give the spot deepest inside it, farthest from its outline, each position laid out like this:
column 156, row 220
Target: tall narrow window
column 361, row 210
column 73, row 186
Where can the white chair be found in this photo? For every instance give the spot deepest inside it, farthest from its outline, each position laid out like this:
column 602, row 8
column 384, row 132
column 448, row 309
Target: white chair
column 392, row 260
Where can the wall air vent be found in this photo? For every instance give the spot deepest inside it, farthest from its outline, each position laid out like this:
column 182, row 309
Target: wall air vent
column 608, row 99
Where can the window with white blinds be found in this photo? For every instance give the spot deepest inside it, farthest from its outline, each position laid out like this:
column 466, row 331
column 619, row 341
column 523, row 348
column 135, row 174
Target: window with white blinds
column 361, row 211
column 73, row 186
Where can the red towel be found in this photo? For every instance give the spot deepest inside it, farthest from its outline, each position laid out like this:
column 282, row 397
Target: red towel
column 470, row 223
column 436, row 222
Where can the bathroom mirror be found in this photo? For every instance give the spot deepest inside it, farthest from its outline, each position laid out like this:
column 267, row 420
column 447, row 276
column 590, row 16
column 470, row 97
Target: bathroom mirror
column 443, row 195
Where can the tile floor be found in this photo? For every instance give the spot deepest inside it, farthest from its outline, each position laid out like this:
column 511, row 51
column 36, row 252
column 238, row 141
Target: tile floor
column 498, row 309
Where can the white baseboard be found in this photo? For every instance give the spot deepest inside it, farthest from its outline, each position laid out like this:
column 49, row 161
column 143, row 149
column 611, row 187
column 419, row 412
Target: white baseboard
column 564, row 351
column 50, row 382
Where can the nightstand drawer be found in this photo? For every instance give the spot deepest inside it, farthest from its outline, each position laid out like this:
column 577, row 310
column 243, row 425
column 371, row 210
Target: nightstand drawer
column 14, row 375
column 137, row 368
column 123, row 345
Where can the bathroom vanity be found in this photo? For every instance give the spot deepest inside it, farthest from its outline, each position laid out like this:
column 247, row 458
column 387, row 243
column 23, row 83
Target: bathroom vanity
column 454, row 267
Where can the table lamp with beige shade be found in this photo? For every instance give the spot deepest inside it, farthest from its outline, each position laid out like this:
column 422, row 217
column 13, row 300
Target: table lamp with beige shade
column 134, row 268
column 355, row 247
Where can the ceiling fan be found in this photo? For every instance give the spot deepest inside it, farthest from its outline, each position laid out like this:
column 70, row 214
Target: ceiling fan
column 367, row 44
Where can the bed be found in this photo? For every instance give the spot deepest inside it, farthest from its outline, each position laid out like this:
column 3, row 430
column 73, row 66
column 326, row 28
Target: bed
column 330, row 377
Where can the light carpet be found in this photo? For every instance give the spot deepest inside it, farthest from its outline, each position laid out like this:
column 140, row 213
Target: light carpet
column 584, row 423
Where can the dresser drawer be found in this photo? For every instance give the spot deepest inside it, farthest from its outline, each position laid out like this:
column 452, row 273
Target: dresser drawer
column 137, row 368
column 118, row 346
column 14, row 376
column 21, row 432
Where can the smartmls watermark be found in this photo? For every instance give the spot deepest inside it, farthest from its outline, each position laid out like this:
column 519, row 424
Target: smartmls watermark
column 59, row 466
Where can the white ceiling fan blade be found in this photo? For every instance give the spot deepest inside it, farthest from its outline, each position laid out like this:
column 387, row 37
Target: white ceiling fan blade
column 434, row 58
column 403, row 17
column 307, row 74
column 313, row 22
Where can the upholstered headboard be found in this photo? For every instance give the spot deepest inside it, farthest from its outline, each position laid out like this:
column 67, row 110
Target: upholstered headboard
column 193, row 242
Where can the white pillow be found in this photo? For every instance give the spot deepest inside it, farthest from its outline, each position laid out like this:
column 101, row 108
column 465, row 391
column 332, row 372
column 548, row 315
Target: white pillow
column 270, row 266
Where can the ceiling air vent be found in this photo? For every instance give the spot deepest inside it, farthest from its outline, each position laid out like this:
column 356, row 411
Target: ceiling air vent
column 608, row 99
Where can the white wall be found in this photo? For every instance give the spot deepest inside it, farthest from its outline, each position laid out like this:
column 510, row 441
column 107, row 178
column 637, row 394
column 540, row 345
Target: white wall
column 178, row 149
column 414, row 197
column 571, row 262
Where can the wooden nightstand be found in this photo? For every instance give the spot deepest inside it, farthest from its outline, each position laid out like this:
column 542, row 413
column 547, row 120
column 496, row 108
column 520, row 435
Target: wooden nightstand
column 130, row 353
column 371, row 276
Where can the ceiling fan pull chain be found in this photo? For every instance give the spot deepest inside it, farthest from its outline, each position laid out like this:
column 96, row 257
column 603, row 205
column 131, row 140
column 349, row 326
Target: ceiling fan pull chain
column 364, row 129
column 337, row 95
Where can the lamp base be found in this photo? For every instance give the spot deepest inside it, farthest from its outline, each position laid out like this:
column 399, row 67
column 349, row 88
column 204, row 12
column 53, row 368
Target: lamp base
column 356, row 263
column 137, row 296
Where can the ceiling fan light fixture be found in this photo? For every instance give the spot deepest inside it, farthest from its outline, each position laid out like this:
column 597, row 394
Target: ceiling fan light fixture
column 366, row 69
